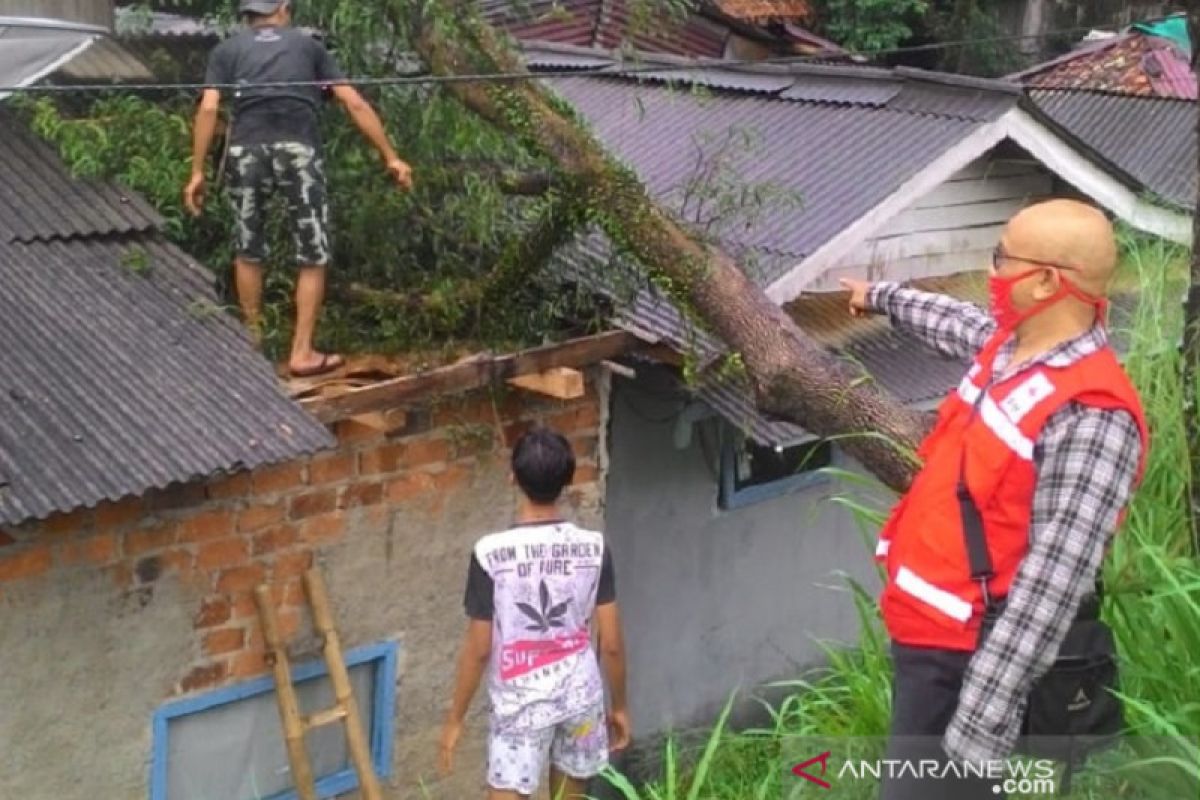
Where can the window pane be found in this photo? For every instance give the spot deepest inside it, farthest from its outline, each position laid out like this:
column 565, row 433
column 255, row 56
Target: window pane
column 235, row 751
column 757, row 464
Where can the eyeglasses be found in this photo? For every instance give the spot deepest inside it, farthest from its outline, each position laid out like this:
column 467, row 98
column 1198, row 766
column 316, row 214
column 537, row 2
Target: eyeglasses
column 999, row 257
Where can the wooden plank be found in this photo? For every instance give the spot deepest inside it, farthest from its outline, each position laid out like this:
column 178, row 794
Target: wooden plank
column 561, row 383
column 471, row 375
column 949, row 218
column 982, row 190
column 326, row 717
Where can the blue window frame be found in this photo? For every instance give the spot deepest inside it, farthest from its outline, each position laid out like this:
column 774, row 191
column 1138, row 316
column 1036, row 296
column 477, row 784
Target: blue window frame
column 752, row 473
column 381, row 658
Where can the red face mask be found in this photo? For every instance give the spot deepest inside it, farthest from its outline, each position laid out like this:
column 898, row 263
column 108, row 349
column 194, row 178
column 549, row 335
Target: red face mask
column 1008, row 316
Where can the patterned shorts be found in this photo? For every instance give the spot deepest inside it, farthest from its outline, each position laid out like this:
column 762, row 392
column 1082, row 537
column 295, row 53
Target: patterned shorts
column 292, row 170
column 577, row 747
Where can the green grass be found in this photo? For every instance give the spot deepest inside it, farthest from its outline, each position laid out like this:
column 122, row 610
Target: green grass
column 1152, row 602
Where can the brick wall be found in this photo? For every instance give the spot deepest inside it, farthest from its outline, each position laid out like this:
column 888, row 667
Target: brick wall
column 221, row 538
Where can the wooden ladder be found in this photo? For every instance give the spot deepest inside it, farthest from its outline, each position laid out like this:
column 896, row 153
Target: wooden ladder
column 344, row 709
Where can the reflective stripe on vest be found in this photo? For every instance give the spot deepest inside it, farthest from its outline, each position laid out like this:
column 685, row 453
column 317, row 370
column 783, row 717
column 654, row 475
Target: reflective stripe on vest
column 945, row 602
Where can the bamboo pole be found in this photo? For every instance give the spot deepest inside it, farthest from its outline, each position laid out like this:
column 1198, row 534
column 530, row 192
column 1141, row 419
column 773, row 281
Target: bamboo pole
column 285, row 695
column 318, row 599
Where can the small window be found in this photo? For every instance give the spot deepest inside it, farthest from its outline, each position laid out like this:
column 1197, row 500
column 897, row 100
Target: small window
column 229, row 743
column 751, row 472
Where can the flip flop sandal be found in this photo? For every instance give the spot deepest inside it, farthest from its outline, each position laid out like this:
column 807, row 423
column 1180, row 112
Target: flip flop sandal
column 328, row 364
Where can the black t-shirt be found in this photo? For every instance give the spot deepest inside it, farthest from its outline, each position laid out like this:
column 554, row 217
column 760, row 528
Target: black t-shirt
column 479, row 598
column 268, row 55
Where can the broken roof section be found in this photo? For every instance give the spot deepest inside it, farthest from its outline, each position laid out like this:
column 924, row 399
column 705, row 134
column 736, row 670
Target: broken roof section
column 121, row 373
column 1130, row 102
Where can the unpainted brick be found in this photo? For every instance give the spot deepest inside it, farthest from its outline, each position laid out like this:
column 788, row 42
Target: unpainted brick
column 248, row 663
column 207, row 526
column 421, row 452
column 380, row 460
column 310, row 504
column 213, row 611
column 323, row 529
column 224, row 640
column 231, row 487
column 241, row 579
column 580, row 418
column 204, row 676
column 98, row 549
column 291, row 565
column 28, row 563
column 585, row 473
column 258, row 517
column 277, row 538
column 361, row 494
column 177, row 559
column 584, row 447
column 147, row 540
column 406, row 487
column 333, row 468
column 241, row 605
column 222, row 553
column 351, row 432
column 281, row 478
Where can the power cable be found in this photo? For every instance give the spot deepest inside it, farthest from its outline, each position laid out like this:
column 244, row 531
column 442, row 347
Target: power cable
column 513, row 77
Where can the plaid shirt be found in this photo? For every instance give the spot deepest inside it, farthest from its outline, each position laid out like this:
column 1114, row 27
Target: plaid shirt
column 1087, row 463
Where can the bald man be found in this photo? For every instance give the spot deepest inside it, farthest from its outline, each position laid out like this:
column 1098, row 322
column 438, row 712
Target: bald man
column 1046, row 434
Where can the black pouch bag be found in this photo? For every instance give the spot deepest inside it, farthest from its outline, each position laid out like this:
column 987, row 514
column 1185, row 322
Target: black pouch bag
column 1071, row 710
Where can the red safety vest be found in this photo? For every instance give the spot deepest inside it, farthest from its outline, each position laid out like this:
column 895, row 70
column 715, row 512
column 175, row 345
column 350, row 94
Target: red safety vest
column 988, row 429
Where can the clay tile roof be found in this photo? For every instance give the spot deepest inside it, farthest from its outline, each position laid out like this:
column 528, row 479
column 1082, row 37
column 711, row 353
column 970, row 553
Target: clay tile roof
column 758, row 10
column 1133, row 63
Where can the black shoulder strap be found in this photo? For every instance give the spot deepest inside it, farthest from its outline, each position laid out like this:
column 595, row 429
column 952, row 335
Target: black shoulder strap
column 972, row 524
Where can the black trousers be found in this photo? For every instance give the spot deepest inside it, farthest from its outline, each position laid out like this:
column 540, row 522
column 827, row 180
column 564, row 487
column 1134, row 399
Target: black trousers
column 924, row 698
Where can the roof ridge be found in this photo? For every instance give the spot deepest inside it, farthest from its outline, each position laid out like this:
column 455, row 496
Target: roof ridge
column 998, row 85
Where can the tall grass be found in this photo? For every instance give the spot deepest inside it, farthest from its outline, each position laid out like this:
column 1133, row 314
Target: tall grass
column 1152, row 580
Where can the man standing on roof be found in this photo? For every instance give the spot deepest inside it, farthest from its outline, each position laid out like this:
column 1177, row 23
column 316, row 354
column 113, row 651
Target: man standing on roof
column 275, row 147
column 1047, row 436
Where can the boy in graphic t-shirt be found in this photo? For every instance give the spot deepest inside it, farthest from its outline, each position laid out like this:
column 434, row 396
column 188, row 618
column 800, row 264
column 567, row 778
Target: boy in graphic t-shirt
column 532, row 593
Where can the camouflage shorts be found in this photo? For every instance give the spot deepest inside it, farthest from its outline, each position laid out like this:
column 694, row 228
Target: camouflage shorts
column 292, row 170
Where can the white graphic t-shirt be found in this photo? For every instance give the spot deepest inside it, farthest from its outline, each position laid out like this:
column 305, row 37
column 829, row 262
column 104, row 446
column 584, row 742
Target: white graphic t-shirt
column 539, row 584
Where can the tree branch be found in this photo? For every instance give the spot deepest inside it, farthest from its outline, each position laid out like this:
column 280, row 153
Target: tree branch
column 793, row 376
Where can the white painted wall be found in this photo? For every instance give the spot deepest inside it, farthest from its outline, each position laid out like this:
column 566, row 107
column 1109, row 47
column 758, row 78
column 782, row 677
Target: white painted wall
column 951, row 228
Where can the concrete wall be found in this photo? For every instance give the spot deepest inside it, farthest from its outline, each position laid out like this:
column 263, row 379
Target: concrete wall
column 106, row 614
column 714, row 600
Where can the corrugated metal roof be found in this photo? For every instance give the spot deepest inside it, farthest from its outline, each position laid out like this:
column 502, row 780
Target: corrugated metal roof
column 1151, row 140
column 843, row 89
column 837, row 161
column 39, row 201
column 119, row 372
column 106, row 60
column 28, row 53
column 117, row 378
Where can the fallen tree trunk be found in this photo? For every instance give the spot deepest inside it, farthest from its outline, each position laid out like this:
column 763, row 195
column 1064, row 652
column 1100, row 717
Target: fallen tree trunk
column 793, row 376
